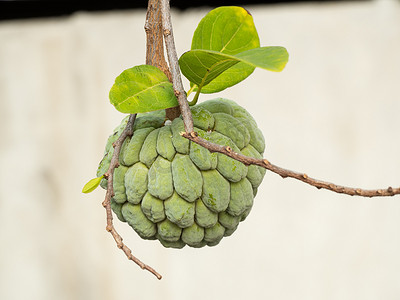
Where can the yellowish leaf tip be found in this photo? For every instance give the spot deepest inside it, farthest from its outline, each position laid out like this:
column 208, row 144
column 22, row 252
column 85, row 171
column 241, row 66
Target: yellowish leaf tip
column 92, row 184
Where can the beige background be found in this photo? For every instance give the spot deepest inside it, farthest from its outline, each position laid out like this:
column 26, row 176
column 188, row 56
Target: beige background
column 333, row 113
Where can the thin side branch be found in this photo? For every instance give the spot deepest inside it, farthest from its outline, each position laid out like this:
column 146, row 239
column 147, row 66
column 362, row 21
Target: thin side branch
column 191, row 135
column 174, row 66
column 284, row 173
column 128, row 131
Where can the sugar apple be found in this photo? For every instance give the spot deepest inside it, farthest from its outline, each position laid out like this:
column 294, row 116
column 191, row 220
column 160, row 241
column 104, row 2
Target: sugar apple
column 171, row 189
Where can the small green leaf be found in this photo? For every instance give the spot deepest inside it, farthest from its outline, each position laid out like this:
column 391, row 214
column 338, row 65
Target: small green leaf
column 203, row 66
column 92, row 185
column 142, row 89
column 229, row 30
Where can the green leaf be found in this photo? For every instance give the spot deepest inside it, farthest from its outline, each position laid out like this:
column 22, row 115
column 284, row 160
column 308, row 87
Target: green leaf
column 230, row 77
column 203, row 66
column 92, row 185
column 142, row 89
column 228, row 30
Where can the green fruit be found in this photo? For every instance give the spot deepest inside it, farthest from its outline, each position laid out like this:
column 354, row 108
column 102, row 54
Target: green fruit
column 171, row 189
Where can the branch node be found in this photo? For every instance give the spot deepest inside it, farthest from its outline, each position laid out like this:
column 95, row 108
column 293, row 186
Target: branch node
column 266, row 161
column 229, row 149
column 358, row 191
column 167, row 32
column 177, row 93
column 390, row 189
column 305, row 176
column 193, row 134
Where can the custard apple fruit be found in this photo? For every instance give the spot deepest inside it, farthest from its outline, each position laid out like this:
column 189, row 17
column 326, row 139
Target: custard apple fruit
column 171, row 189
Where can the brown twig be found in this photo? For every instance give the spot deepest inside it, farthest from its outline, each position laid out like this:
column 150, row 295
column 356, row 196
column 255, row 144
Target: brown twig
column 155, row 48
column 284, row 173
column 191, row 135
column 109, row 175
column 174, row 66
column 154, row 56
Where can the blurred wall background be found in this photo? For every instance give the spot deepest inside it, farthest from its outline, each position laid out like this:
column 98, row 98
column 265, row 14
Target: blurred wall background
column 332, row 113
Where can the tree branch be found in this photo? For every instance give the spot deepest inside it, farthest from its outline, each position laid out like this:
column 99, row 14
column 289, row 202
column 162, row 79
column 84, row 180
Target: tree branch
column 284, row 173
column 155, row 57
column 155, row 48
column 109, row 175
column 191, row 135
column 174, row 66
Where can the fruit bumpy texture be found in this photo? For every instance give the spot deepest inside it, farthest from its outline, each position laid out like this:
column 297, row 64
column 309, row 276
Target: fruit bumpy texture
column 171, row 189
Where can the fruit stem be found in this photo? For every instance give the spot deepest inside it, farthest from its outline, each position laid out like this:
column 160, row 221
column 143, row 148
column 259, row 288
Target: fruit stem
column 191, row 90
column 196, row 97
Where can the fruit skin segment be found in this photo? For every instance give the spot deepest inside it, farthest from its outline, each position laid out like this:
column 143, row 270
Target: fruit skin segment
column 188, row 182
column 171, row 189
column 216, row 191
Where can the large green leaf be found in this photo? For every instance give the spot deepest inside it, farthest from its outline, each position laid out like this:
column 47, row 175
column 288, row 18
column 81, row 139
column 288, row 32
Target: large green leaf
column 230, row 77
column 228, row 30
column 141, row 89
column 202, row 66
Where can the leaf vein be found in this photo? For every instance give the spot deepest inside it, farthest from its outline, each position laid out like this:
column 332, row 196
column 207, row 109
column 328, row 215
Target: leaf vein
column 138, row 93
column 230, row 40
